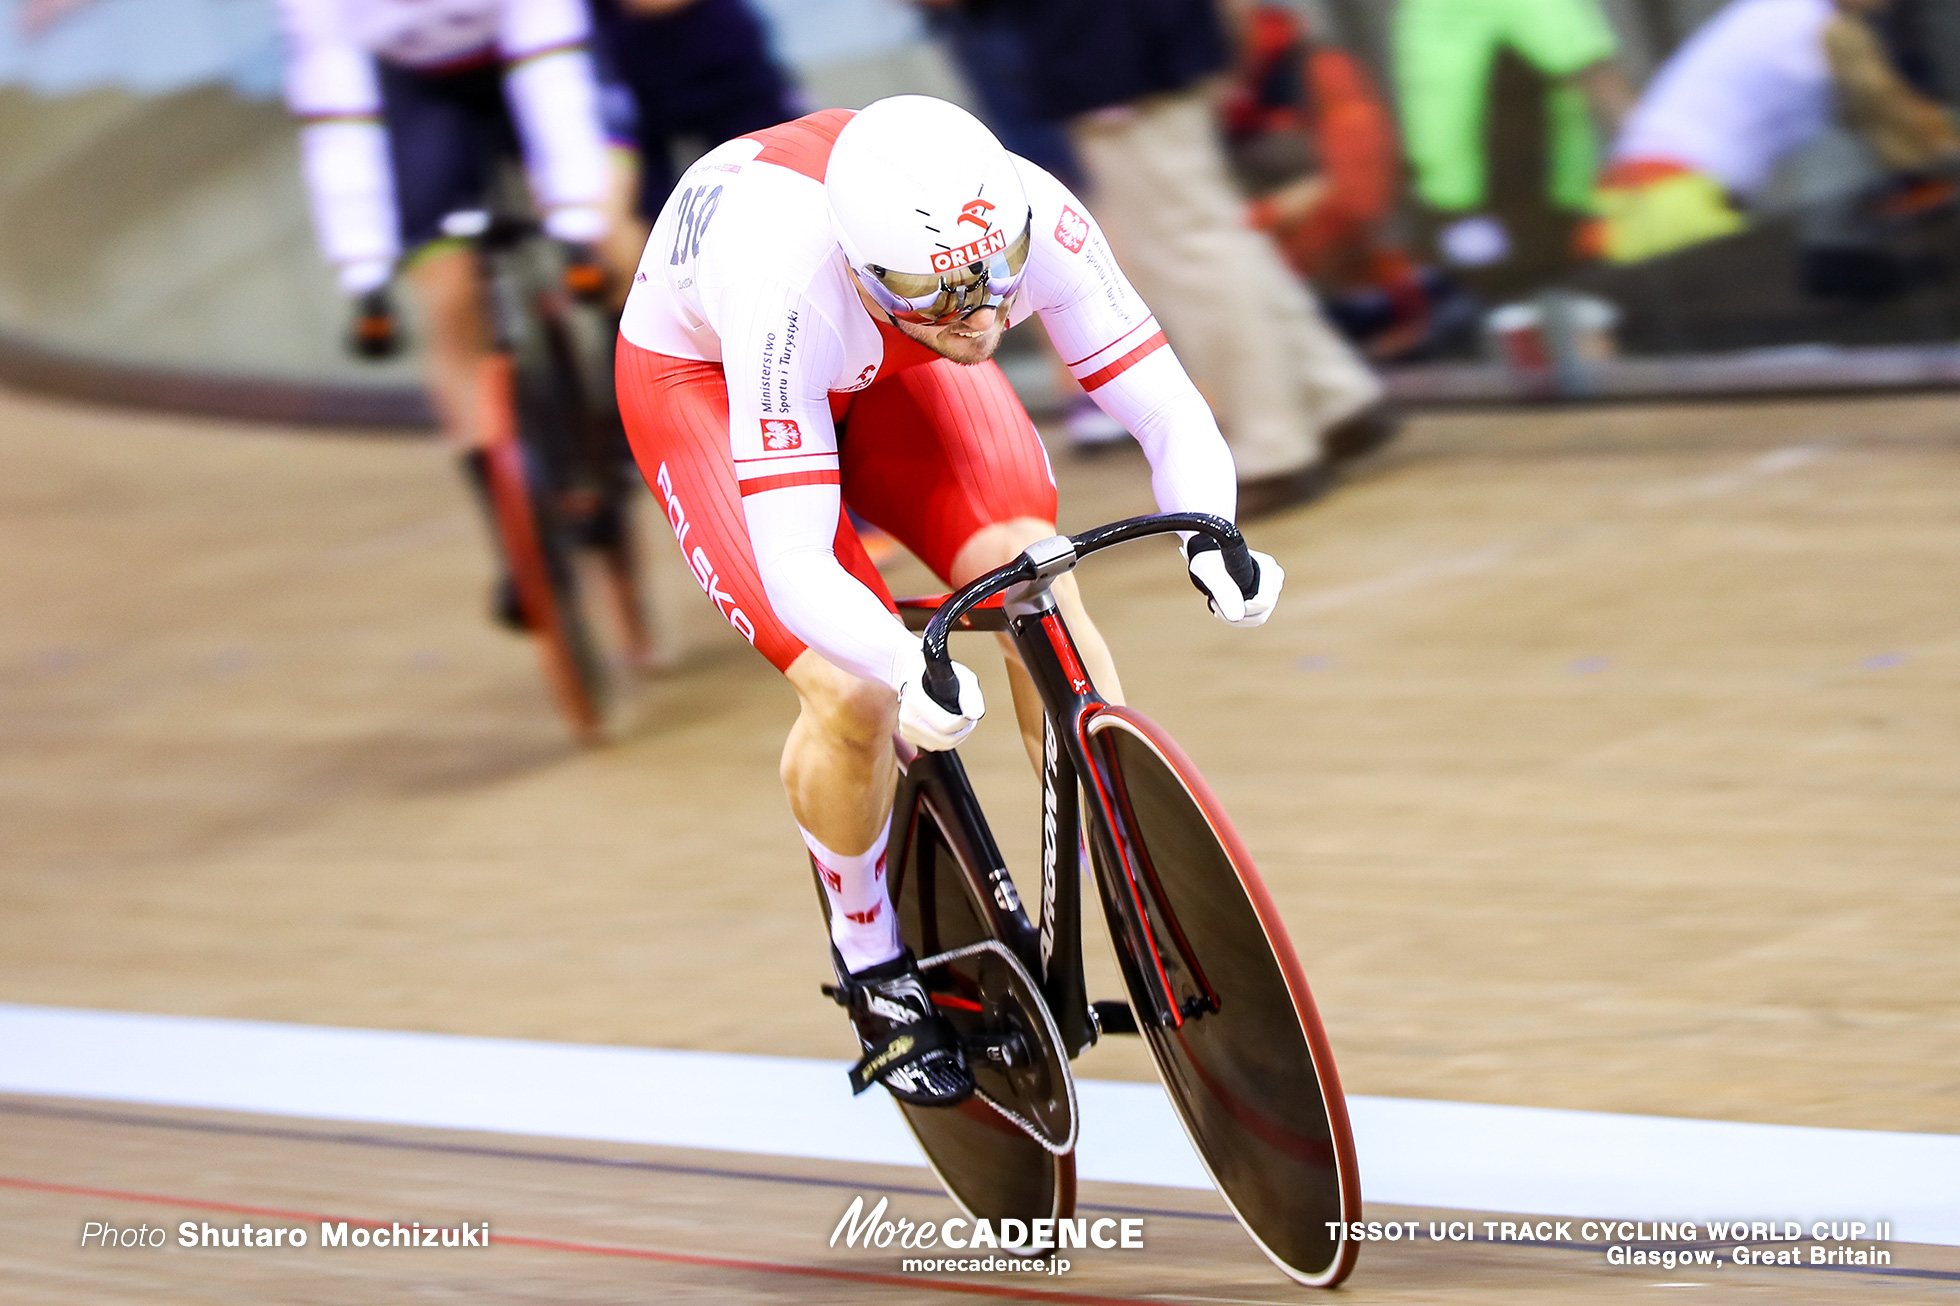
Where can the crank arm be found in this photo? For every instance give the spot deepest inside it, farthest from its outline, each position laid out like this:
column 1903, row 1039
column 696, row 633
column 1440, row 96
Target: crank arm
column 1114, row 1016
column 1009, row 1051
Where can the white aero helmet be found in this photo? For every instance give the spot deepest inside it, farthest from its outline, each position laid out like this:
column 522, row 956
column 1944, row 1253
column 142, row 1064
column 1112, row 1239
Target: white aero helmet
column 929, row 209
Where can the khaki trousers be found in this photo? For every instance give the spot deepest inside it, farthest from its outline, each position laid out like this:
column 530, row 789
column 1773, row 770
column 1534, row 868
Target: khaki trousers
column 1245, row 327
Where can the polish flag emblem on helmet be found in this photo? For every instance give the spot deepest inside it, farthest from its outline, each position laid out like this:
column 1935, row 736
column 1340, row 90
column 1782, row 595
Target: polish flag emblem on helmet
column 780, row 436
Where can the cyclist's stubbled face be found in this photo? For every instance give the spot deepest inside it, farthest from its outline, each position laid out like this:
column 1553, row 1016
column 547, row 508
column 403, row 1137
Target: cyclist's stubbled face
column 969, row 340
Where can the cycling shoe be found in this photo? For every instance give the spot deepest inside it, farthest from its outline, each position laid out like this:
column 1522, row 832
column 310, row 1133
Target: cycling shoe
column 908, row 1047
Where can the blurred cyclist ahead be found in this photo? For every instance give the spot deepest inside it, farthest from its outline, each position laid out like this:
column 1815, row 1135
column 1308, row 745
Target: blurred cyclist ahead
column 405, row 106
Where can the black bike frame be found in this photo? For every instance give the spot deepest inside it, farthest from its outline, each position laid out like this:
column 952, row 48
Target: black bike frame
column 1053, row 952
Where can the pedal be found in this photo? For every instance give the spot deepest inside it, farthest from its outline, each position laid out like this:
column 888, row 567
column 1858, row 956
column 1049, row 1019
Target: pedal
column 835, row 994
column 1114, row 1016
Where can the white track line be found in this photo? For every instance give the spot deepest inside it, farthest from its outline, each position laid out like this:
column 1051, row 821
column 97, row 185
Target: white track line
column 1774, row 463
column 1414, row 577
column 1458, row 1155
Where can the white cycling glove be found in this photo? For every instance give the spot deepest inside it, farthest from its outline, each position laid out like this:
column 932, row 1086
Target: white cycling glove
column 922, row 723
column 1233, row 606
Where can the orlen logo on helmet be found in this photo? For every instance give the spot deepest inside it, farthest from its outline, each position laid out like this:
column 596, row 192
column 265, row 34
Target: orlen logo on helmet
column 976, row 211
column 988, row 245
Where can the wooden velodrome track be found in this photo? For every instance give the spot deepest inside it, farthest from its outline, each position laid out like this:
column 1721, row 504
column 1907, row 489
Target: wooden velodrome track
column 1598, row 759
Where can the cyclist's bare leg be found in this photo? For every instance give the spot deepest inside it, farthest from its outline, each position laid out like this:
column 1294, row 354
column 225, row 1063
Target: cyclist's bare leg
column 621, row 570
column 995, row 546
column 840, row 770
column 838, row 765
column 444, row 280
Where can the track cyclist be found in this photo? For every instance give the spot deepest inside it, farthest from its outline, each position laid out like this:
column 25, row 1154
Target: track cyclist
column 812, row 325
column 403, row 106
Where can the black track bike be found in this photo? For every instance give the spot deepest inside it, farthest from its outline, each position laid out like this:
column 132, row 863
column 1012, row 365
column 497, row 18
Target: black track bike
column 1214, row 986
column 557, row 463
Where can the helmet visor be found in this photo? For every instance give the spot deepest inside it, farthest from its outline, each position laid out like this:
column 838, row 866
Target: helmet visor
column 931, row 299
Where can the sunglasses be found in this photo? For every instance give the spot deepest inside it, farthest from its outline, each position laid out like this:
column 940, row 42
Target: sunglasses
column 936, row 299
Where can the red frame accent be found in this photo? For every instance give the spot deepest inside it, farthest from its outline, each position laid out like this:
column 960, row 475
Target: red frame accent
column 982, row 616
column 1103, row 796
column 1058, row 639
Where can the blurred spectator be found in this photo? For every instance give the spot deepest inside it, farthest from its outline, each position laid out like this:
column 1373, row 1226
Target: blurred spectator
column 1912, row 31
column 674, row 74
column 1314, row 144
column 987, row 44
column 697, row 70
column 1757, row 82
column 1445, row 55
column 1130, row 78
